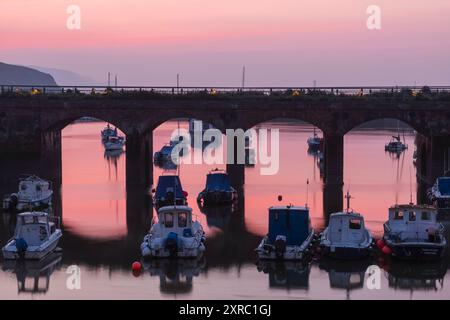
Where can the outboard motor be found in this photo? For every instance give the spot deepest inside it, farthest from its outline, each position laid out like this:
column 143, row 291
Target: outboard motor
column 172, row 244
column 22, row 247
column 280, row 247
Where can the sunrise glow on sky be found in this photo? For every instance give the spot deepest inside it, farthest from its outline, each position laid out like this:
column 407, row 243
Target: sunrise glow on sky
column 283, row 42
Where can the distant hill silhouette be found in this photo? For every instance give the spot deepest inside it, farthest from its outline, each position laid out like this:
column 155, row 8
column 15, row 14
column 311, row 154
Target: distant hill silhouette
column 19, row 75
column 67, row 78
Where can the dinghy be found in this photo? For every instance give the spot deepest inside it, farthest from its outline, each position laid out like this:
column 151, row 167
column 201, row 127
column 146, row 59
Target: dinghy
column 36, row 236
column 175, row 235
column 169, row 191
column 34, row 193
column 290, row 234
column 412, row 232
column 218, row 189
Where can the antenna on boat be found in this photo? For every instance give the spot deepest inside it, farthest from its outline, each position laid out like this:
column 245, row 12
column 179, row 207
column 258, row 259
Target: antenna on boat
column 307, row 192
column 348, row 197
column 410, row 188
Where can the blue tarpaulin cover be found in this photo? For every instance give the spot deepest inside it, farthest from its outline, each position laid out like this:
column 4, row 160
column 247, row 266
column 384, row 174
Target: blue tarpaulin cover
column 169, row 182
column 444, row 186
column 218, row 181
column 293, row 223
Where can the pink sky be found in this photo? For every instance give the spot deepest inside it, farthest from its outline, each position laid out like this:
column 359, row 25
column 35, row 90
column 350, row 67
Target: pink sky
column 283, row 42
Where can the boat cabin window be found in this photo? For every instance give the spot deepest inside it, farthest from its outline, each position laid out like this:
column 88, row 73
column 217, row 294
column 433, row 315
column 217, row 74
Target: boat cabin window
column 412, row 216
column 42, row 219
column 38, row 187
column 168, row 220
column 354, row 224
column 398, row 215
column 23, row 187
column 182, row 220
column 426, row 216
column 28, row 220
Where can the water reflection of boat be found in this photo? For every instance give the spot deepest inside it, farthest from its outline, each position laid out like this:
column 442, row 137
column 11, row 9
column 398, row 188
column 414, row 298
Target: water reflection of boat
column 218, row 216
column 396, row 145
column 415, row 275
column 290, row 234
column 113, row 154
column 114, row 143
column 175, row 276
column 286, row 274
column 34, row 193
column 345, row 275
column 34, row 271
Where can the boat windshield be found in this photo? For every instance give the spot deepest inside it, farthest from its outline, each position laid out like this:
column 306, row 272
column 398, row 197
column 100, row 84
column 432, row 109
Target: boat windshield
column 354, row 224
column 182, row 220
column 168, row 220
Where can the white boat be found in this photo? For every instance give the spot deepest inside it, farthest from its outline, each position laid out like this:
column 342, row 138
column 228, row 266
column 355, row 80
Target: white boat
column 346, row 237
column 33, row 193
column 290, row 234
column 108, row 132
column 114, row 143
column 175, row 235
column 36, row 235
column 412, row 232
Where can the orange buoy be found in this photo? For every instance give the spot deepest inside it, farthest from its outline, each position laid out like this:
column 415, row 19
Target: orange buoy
column 380, row 244
column 386, row 250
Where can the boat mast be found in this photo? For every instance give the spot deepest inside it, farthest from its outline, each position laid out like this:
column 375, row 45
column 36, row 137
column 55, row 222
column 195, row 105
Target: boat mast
column 348, row 197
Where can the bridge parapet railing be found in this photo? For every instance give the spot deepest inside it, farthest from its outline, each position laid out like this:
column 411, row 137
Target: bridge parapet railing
column 167, row 90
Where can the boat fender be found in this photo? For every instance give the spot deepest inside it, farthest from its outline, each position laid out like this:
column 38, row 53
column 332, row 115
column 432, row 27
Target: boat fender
column 380, row 244
column 386, row 250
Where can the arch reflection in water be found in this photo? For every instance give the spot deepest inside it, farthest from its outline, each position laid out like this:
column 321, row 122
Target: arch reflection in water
column 286, row 274
column 33, row 276
column 176, row 276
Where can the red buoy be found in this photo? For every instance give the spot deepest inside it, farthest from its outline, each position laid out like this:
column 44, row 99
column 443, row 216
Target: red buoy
column 136, row 266
column 380, row 244
column 185, row 194
column 386, row 250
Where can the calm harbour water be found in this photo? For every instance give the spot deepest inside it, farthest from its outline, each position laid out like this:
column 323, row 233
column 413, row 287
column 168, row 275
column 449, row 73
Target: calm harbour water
column 103, row 242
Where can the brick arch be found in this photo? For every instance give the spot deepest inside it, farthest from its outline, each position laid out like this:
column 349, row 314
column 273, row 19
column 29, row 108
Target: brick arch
column 252, row 122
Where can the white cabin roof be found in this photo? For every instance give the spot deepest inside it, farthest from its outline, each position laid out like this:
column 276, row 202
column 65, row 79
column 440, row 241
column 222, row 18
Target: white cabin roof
column 174, row 208
column 349, row 215
column 33, row 214
column 412, row 207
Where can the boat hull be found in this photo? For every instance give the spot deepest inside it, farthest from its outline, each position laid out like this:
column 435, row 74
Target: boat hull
column 10, row 252
column 346, row 253
column 417, row 251
column 292, row 253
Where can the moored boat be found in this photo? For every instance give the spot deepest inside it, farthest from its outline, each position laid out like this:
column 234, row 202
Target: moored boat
column 290, row 234
column 346, row 237
column 108, row 132
column 169, row 191
column 36, row 235
column 175, row 235
column 439, row 194
column 395, row 145
column 218, row 189
column 412, row 232
column 113, row 143
column 34, row 193
column 315, row 141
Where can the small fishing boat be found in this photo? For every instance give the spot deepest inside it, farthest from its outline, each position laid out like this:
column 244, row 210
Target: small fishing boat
column 36, row 235
column 108, row 132
column 113, row 143
column 439, row 194
column 412, row 232
column 169, row 191
column 315, row 141
column 395, row 145
column 175, row 235
column 34, row 193
column 164, row 155
column 346, row 237
column 218, row 189
column 290, row 234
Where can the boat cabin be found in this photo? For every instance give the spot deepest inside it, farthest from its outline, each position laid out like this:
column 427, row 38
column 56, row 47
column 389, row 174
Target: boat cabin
column 347, row 227
column 169, row 189
column 34, row 228
column 413, row 222
column 291, row 222
column 218, row 180
column 31, row 187
column 177, row 219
